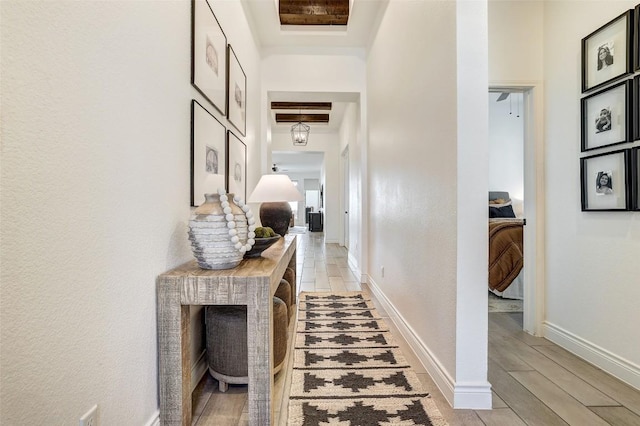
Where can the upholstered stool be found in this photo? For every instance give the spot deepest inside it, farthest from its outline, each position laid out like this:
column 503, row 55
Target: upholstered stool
column 284, row 293
column 290, row 276
column 227, row 343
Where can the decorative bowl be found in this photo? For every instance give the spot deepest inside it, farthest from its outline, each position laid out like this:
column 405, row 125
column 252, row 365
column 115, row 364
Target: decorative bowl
column 261, row 245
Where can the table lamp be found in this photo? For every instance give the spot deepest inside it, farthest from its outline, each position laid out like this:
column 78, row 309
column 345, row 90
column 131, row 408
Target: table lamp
column 275, row 192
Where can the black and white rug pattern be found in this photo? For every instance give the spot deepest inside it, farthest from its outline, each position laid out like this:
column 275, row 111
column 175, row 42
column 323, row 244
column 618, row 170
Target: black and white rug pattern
column 348, row 371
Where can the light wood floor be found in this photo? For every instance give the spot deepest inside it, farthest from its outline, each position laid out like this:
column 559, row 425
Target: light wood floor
column 534, row 381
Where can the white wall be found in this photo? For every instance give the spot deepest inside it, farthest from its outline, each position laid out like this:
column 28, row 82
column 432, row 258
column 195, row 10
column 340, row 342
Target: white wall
column 413, row 160
column 350, row 137
column 95, row 198
column 516, row 36
column 506, row 145
column 592, row 276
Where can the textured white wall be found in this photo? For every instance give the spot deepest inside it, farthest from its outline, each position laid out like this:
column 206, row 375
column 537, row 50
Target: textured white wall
column 349, row 136
column 95, row 198
column 411, row 90
column 592, row 276
column 506, row 145
column 515, row 40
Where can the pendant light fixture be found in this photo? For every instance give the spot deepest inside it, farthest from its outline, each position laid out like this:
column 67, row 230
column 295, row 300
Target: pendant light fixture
column 300, row 132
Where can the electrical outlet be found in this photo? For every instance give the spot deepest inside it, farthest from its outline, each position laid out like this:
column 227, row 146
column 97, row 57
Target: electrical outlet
column 382, row 271
column 90, row 418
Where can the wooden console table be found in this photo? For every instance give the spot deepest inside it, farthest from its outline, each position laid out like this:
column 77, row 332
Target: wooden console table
column 252, row 283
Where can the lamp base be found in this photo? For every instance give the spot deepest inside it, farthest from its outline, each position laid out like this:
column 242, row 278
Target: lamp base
column 276, row 215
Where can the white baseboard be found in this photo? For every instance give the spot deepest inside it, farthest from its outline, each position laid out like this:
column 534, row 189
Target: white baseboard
column 331, row 241
column 198, row 370
column 611, row 363
column 155, row 420
column 353, row 265
column 459, row 395
column 440, row 376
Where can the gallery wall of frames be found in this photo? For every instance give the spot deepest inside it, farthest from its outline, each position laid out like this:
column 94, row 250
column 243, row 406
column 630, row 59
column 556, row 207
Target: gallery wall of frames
column 610, row 116
column 218, row 154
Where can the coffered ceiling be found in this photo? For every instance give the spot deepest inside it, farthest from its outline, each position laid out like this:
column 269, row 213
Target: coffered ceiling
column 319, row 25
column 316, row 27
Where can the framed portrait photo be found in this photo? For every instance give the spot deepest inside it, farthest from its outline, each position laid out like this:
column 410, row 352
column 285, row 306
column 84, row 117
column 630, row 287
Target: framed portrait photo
column 607, row 52
column 604, row 181
column 208, row 154
column 237, row 166
column 606, row 117
column 237, row 94
column 636, row 38
column 208, row 55
column 635, row 178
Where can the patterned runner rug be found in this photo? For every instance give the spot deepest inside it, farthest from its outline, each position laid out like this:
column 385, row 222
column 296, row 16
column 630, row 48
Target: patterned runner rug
column 348, row 371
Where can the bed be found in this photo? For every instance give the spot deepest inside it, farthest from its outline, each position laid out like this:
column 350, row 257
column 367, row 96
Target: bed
column 506, row 251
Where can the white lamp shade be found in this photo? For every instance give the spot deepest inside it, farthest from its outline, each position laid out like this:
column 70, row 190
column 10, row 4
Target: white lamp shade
column 272, row 188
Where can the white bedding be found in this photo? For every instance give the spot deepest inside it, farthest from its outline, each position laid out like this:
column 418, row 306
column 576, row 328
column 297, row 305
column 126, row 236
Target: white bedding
column 515, row 290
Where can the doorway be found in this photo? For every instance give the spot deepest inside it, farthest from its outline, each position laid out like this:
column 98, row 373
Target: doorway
column 533, row 201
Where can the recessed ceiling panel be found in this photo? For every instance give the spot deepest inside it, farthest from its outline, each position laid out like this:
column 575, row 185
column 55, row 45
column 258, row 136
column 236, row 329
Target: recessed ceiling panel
column 313, row 12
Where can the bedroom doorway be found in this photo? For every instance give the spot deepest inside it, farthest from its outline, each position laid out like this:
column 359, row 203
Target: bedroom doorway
column 522, row 175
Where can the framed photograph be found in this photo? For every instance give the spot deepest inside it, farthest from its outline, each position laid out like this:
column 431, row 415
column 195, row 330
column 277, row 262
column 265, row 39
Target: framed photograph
column 607, row 52
column 237, row 166
column 606, row 117
column 604, row 181
column 636, row 38
column 635, row 178
column 636, row 107
column 237, row 94
column 208, row 153
column 208, row 55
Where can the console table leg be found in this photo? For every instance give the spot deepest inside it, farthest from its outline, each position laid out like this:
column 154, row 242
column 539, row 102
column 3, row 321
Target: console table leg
column 174, row 348
column 260, row 349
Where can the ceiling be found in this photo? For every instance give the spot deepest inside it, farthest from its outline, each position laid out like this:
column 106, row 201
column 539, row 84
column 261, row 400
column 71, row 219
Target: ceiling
column 263, row 16
column 364, row 16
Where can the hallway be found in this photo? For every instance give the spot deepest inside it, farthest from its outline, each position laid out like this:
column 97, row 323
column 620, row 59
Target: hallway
column 535, row 382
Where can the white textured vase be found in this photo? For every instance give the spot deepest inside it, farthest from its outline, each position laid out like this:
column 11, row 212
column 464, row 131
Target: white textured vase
column 209, row 234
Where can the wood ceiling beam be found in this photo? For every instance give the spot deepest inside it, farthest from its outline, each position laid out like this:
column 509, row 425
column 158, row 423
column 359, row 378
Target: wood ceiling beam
column 322, row 106
column 314, row 12
column 305, row 118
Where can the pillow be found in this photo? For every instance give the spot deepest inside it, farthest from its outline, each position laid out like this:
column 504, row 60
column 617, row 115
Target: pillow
column 504, row 211
column 499, row 202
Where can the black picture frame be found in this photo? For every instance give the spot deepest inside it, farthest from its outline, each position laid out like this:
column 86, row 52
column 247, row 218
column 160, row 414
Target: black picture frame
column 208, row 55
column 636, row 108
column 612, row 194
column 635, row 178
column 607, row 117
column 208, row 153
column 236, row 166
column 236, row 92
column 615, row 40
column 636, row 38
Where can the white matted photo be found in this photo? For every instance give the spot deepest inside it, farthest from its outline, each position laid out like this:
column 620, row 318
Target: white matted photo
column 237, row 166
column 604, row 181
column 208, row 154
column 606, row 117
column 606, row 52
column 237, row 94
column 208, row 55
